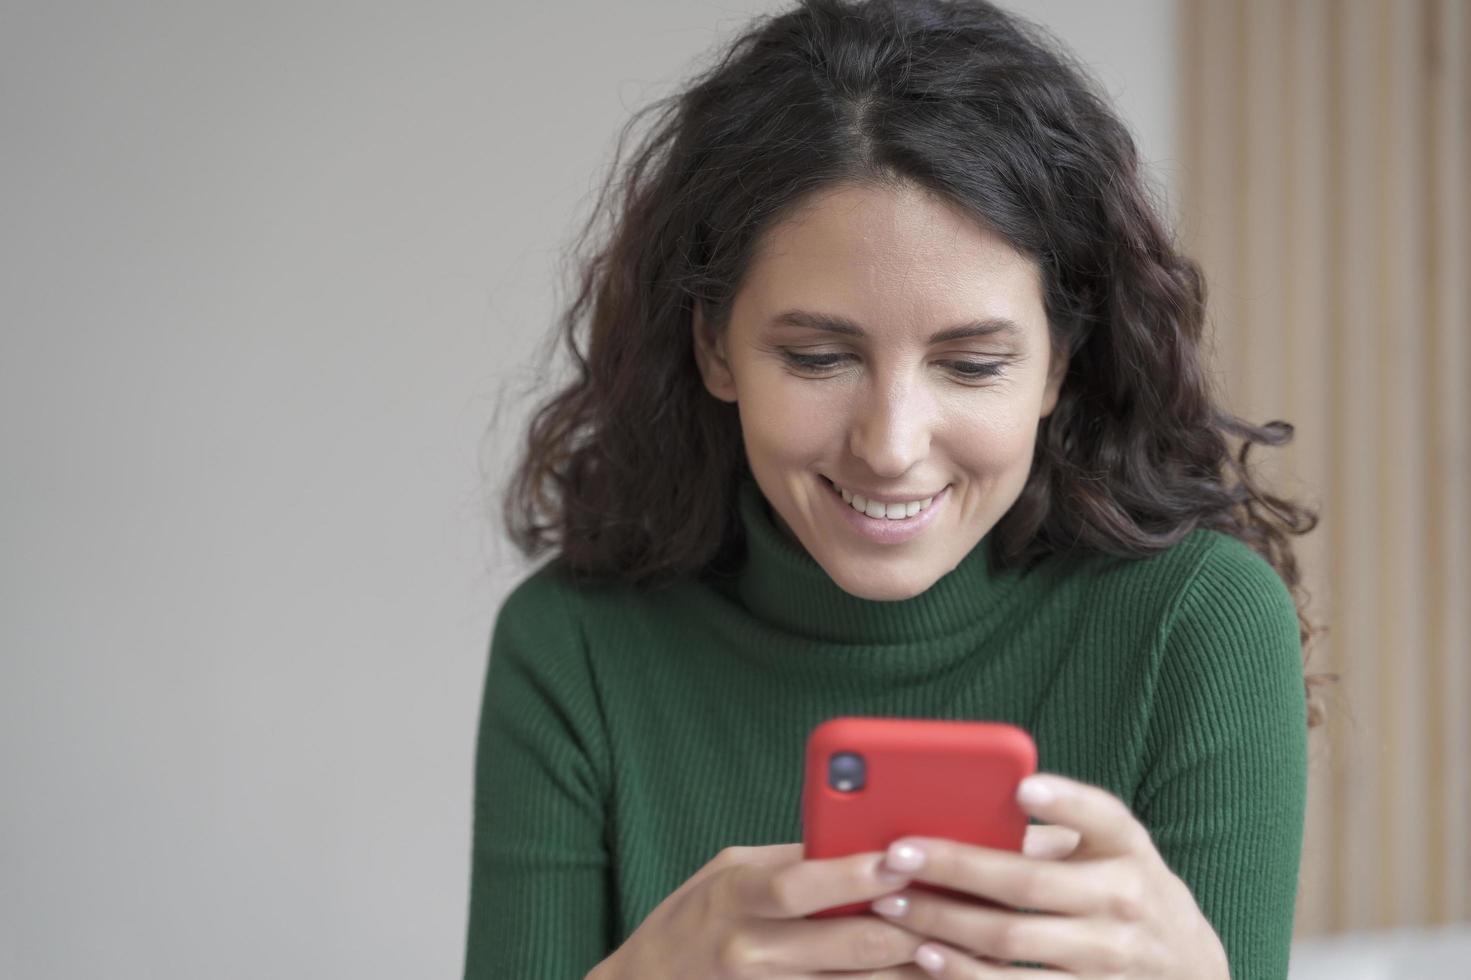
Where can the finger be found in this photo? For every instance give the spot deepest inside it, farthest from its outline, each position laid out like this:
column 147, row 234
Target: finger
column 1077, row 944
column 850, row 942
column 1106, row 824
column 956, row 964
column 1049, row 842
column 1012, row 879
column 803, row 887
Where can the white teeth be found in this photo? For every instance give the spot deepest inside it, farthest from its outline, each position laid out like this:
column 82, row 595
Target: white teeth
column 892, row 512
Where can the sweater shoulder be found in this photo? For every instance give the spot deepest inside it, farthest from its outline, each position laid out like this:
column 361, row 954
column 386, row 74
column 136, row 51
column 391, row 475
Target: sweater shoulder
column 1224, row 580
column 1205, row 560
column 553, row 594
column 541, row 615
column 1235, row 596
column 1216, row 608
column 544, row 590
column 1209, row 582
column 555, row 610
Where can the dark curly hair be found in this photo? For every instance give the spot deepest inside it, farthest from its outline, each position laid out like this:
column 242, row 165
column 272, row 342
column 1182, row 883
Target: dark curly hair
column 630, row 469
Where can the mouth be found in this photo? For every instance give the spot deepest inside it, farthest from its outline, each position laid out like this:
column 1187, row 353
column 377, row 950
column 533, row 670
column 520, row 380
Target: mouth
column 911, row 508
column 886, row 530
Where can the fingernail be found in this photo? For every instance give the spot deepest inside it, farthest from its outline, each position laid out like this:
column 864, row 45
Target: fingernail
column 1034, row 792
column 887, row 878
column 892, row 905
column 929, row 958
column 904, row 857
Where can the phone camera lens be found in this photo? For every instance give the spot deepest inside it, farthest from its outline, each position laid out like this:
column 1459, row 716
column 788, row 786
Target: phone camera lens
column 845, row 772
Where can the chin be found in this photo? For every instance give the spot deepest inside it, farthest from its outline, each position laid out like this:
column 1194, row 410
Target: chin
column 874, row 584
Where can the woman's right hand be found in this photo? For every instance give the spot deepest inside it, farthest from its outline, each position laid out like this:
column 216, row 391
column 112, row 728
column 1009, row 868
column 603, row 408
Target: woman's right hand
column 743, row 915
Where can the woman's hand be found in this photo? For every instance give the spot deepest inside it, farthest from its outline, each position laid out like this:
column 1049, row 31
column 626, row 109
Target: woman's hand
column 744, row 915
column 1109, row 907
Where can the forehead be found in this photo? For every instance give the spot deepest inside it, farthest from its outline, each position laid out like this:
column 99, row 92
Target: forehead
column 894, row 259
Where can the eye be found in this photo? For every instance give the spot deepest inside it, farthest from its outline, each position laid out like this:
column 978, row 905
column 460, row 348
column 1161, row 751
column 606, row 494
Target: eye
column 971, row 370
column 814, row 362
column 976, row 369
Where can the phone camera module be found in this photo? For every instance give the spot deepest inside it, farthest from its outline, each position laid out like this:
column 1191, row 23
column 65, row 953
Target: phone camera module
column 845, row 772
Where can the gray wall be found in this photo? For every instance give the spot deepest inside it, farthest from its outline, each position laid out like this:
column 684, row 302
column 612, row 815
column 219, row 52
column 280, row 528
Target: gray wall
column 263, row 268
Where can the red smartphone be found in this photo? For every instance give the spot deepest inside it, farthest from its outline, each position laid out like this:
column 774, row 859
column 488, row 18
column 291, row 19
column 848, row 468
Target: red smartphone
column 871, row 780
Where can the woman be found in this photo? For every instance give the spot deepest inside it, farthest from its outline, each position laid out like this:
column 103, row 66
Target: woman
column 890, row 401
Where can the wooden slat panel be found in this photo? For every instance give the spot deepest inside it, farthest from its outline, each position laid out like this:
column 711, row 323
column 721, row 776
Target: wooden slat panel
column 1356, row 513
column 1310, row 411
column 1213, row 164
column 1328, row 158
column 1447, row 219
column 1262, row 355
column 1400, row 466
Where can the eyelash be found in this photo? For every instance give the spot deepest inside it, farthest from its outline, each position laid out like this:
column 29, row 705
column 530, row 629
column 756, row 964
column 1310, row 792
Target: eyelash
column 821, row 362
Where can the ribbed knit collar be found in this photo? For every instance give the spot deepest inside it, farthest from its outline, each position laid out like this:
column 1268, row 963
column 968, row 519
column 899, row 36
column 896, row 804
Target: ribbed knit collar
column 783, row 585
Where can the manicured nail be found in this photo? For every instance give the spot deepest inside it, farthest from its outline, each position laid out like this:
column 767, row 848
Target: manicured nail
column 929, row 958
column 892, row 905
column 904, row 857
column 1035, row 792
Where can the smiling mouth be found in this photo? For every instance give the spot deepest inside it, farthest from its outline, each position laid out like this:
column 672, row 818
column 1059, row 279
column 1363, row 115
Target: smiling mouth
column 913, row 508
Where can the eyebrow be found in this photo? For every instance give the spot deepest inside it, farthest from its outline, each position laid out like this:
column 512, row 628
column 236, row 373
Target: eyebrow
column 833, row 323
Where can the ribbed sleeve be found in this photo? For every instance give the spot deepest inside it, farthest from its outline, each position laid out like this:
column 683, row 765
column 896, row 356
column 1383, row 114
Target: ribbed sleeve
column 539, row 892
column 1224, row 790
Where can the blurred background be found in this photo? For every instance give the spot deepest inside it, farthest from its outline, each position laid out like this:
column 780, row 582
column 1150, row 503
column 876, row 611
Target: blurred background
column 271, row 280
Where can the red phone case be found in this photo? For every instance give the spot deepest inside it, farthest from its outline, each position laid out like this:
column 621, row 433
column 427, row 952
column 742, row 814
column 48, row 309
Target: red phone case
column 926, row 777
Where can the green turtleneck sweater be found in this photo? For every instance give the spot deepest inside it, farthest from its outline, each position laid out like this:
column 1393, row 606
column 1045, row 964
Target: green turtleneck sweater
column 627, row 736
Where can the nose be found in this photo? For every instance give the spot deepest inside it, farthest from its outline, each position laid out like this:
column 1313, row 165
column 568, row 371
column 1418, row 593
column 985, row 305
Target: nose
column 891, row 428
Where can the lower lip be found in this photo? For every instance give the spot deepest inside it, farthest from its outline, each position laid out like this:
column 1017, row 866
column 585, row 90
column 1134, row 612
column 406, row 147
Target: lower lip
column 881, row 529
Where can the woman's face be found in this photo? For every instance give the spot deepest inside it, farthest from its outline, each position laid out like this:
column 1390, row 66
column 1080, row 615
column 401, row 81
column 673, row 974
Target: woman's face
column 883, row 407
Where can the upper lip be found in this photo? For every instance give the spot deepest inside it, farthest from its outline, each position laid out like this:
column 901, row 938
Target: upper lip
column 885, row 498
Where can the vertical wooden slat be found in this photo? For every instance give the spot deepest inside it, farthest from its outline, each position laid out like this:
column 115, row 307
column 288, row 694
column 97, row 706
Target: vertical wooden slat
column 1448, row 293
column 1213, row 161
column 1308, row 339
column 1357, row 515
column 1236, row 152
column 1191, row 127
column 1386, row 665
column 1401, row 464
column 1339, row 732
column 1263, row 357
column 1437, row 882
column 1368, row 895
column 1456, row 242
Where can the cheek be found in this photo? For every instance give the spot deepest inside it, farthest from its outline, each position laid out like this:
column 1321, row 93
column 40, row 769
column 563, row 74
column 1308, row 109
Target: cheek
column 993, row 435
column 790, row 418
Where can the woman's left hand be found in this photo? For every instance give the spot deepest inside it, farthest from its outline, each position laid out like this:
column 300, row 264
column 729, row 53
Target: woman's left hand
column 1110, row 908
